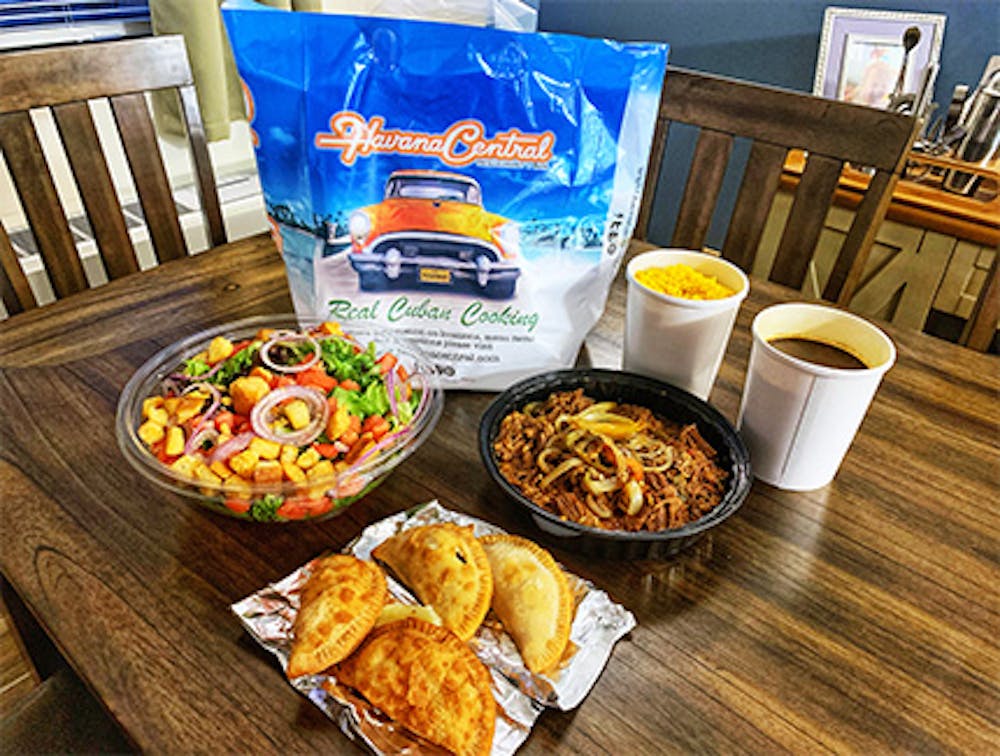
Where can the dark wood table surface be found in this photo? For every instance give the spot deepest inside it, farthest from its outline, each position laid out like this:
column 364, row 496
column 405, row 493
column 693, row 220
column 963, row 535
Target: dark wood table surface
column 860, row 617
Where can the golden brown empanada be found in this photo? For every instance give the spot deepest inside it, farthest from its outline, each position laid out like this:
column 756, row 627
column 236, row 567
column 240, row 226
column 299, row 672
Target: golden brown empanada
column 395, row 611
column 429, row 681
column 338, row 605
column 446, row 567
column 532, row 598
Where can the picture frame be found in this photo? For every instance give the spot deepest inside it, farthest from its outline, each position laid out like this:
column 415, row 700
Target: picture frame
column 863, row 57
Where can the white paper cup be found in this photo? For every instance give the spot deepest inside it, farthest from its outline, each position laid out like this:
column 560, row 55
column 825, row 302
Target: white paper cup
column 799, row 418
column 680, row 341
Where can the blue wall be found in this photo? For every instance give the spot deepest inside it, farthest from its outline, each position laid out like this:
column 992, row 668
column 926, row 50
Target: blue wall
column 768, row 41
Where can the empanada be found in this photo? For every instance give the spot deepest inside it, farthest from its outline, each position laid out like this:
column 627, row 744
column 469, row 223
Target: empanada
column 338, row 605
column 425, row 678
column 446, row 567
column 532, row 599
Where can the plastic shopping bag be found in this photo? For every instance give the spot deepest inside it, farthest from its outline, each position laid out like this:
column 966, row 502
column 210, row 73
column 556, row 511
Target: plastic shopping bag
column 473, row 188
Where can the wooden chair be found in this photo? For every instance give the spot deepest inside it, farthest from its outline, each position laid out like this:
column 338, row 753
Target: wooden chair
column 64, row 79
column 980, row 332
column 774, row 121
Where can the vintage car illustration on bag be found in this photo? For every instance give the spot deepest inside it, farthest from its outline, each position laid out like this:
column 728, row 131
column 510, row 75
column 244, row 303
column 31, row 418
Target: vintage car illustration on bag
column 431, row 231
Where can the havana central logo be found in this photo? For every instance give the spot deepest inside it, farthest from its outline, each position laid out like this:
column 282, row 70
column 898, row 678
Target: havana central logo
column 465, row 142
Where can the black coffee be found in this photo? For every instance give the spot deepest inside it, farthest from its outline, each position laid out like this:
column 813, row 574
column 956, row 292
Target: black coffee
column 818, row 353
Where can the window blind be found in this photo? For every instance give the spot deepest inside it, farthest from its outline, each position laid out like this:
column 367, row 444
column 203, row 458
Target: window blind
column 38, row 23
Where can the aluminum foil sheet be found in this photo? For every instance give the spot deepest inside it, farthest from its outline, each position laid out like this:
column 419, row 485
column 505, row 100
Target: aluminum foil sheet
column 521, row 695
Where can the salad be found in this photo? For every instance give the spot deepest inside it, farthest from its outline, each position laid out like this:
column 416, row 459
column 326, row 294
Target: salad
column 282, row 425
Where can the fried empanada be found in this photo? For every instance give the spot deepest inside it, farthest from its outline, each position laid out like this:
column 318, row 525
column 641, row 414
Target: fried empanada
column 532, row 598
column 394, row 612
column 338, row 605
column 446, row 567
column 429, row 681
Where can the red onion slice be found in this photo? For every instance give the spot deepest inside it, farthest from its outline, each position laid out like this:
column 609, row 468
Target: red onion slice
column 390, row 388
column 319, row 415
column 197, row 438
column 285, row 337
column 236, row 444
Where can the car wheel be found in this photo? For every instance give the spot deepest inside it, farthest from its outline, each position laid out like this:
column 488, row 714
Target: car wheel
column 501, row 289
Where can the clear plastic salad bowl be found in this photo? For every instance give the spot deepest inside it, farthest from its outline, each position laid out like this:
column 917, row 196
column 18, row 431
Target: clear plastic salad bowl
column 184, row 422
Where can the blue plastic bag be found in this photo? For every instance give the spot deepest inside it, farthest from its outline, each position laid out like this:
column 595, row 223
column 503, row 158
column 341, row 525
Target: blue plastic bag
column 472, row 187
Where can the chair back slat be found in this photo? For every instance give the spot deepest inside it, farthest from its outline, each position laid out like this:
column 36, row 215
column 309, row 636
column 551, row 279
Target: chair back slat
column 86, row 158
column 779, row 116
column 16, row 293
column 155, row 195
column 43, row 78
column 854, row 252
column 761, row 179
column 64, row 81
column 806, row 220
column 981, row 328
column 203, row 165
column 40, row 201
column 704, row 181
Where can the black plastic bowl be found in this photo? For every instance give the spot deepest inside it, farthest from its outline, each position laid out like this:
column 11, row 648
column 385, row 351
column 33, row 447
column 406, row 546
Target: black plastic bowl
column 666, row 401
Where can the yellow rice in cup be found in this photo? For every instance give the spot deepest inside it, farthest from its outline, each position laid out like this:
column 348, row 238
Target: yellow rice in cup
column 682, row 281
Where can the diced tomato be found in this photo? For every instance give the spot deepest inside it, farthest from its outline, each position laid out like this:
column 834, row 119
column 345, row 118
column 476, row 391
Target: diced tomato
column 377, row 425
column 331, row 402
column 300, row 507
column 349, row 385
column 379, row 429
column 280, row 381
column 330, row 451
column 225, row 417
column 355, row 423
column 349, row 437
column 401, row 372
column 316, row 376
column 240, row 506
column 292, row 509
column 240, row 345
column 387, row 362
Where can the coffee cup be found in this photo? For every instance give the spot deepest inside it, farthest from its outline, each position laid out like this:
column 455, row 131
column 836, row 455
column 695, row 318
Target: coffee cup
column 813, row 373
column 677, row 339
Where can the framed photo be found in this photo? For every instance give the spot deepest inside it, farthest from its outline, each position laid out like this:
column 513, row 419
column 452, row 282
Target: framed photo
column 883, row 59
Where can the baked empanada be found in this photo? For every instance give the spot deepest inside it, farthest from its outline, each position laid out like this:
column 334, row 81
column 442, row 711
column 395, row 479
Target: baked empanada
column 429, row 681
column 338, row 605
column 532, row 599
column 446, row 567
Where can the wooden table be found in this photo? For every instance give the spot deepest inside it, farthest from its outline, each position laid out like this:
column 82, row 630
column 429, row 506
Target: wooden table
column 861, row 617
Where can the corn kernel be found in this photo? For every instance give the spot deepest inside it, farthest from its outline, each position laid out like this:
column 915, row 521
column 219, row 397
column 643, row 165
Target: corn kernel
column 264, row 448
column 175, row 441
